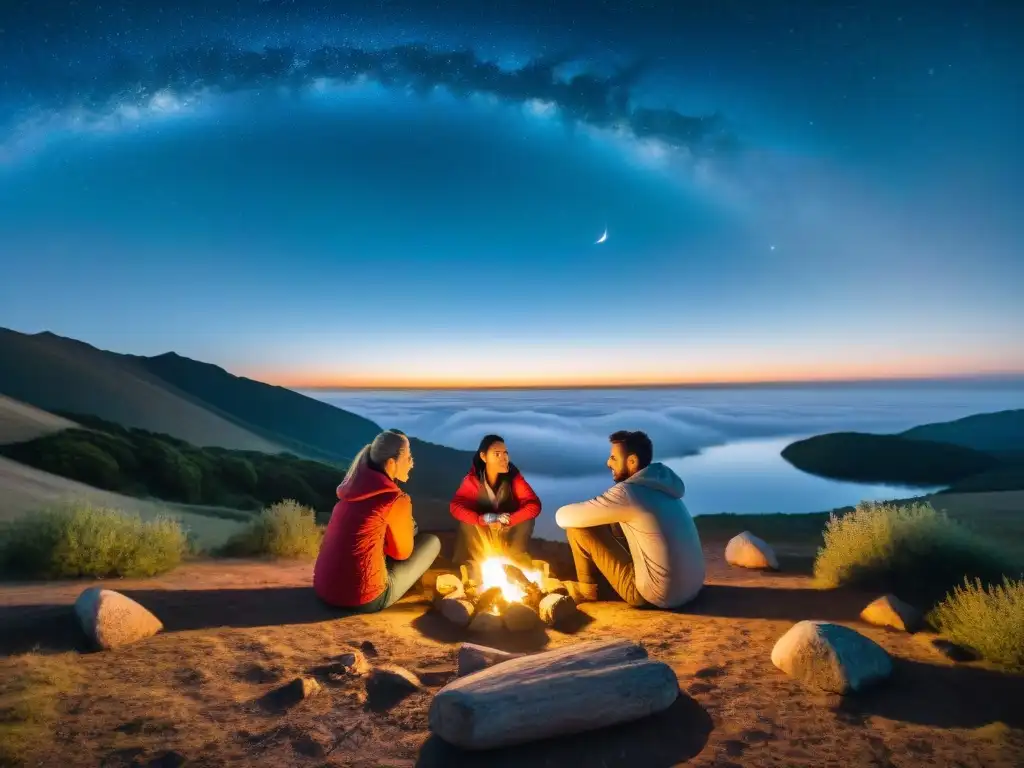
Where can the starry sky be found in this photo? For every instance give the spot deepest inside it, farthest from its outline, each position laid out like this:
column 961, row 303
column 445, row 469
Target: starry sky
column 409, row 193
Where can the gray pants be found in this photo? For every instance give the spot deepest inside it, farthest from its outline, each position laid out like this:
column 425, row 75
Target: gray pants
column 403, row 574
column 598, row 551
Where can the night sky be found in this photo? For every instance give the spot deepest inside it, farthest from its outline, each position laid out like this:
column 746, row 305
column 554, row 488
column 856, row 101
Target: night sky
column 407, row 192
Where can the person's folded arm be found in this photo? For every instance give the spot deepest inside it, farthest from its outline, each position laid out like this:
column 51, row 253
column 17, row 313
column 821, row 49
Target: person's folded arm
column 612, row 506
column 463, row 504
column 529, row 503
column 398, row 537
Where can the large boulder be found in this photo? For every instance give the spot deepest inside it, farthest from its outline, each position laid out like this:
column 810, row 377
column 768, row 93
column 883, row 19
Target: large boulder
column 890, row 611
column 748, row 551
column 111, row 620
column 831, row 657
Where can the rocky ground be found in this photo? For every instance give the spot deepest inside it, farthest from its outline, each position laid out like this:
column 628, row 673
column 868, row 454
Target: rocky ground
column 203, row 690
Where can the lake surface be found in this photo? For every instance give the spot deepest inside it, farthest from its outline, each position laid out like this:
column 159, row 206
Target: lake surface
column 724, row 442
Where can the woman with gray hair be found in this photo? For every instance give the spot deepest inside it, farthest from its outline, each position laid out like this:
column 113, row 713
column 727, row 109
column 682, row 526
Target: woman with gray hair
column 371, row 554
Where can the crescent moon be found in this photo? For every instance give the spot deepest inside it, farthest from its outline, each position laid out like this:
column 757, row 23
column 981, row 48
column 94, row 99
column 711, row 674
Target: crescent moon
column 603, row 237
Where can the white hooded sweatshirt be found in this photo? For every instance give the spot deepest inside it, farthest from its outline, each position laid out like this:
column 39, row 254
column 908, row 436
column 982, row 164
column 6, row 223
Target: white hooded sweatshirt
column 662, row 537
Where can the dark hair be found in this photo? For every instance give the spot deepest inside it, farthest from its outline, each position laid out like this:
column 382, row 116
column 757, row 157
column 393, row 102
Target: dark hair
column 635, row 444
column 485, row 444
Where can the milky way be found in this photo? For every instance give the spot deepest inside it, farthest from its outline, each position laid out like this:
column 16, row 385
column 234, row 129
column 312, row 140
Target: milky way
column 794, row 188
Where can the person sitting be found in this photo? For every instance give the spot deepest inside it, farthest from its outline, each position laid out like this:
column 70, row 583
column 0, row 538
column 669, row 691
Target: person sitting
column 495, row 506
column 657, row 558
column 371, row 554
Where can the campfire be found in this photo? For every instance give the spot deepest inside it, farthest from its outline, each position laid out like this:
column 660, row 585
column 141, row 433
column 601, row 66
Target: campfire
column 500, row 592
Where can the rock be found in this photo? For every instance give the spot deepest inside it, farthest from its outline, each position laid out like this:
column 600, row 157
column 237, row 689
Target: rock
column 369, row 649
column 485, row 622
column 112, row 620
column 343, row 666
column 309, row 746
column 556, row 609
column 289, row 695
column 890, row 611
column 447, row 583
column 388, row 685
column 520, row 618
column 457, row 610
column 472, row 658
column 748, row 551
column 831, row 657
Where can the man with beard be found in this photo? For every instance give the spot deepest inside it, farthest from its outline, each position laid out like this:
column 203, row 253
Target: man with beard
column 657, row 559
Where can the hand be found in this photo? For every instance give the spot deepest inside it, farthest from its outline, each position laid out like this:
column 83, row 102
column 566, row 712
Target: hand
column 505, row 519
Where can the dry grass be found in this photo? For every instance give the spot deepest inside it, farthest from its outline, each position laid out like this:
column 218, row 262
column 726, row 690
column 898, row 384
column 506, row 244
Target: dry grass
column 283, row 530
column 912, row 550
column 30, row 701
column 82, row 540
column 989, row 620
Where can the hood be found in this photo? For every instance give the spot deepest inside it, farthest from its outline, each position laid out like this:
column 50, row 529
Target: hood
column 660, row 478
column 366, row 482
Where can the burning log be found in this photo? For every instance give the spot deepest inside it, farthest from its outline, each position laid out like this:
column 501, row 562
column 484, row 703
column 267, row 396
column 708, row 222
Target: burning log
column 557, row 610
column 485, row 623
column 447, row 583
column 457, row 609
column 532, row 593
column 491, row 601
column 568, row 690
column 519, row 617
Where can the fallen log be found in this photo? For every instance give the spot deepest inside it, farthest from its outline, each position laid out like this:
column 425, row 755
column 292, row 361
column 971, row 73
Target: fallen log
column 472, row 658
column 502, row 706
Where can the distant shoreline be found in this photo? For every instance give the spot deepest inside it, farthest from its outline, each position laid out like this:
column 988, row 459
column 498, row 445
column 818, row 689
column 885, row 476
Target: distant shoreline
column 982, row 380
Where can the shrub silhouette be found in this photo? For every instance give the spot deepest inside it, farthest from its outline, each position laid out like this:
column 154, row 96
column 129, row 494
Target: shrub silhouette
column 82, row 540
column 990, row 620
column 912, row 550
column 285, row 530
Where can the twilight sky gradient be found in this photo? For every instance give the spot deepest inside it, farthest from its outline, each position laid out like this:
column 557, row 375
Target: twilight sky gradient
column 393, row 192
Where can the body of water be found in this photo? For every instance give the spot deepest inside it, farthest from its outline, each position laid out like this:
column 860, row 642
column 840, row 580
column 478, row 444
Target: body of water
column 724, row 442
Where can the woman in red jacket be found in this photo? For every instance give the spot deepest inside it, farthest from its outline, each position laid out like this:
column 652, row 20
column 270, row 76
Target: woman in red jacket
column 371, row 554
column 495, row 506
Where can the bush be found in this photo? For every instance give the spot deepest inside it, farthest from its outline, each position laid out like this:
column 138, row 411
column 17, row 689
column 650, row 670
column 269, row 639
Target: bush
column 990, row 621
column 85, row 540
column 912, row 550
column 286, row 529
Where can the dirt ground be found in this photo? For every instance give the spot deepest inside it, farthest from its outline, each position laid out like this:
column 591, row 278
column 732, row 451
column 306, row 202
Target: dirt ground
column 235, row 631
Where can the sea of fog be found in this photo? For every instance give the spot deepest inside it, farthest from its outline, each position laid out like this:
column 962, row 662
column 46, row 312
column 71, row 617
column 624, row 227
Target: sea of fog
column 724, row 442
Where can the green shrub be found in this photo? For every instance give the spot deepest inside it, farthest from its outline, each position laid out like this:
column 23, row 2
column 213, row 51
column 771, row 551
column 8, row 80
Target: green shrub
column 912, row 550
column 990, row 621
column 80, row 539
column 286, row 529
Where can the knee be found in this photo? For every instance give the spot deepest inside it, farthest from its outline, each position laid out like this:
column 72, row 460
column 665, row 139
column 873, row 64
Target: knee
column 635, row 600
column 429, row 544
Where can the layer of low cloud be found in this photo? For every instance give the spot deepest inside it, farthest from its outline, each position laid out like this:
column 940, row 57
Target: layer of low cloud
column 563, row 435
